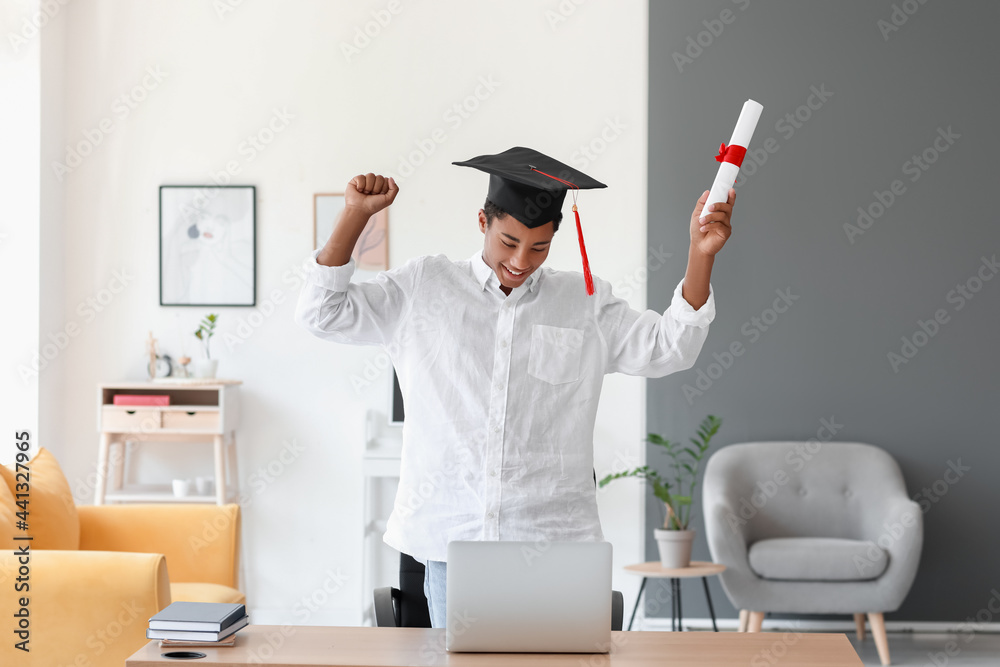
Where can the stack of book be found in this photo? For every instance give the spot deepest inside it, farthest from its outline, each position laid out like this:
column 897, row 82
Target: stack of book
column 198, row 624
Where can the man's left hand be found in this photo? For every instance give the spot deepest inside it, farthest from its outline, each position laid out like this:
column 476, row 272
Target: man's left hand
column 709, row 235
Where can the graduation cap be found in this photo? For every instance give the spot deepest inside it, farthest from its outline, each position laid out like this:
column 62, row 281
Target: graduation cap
column 532, row 187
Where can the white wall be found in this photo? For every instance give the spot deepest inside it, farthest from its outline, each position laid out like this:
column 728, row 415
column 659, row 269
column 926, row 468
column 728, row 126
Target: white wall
column 559, row 80
column 20, row 128
column 52, row 266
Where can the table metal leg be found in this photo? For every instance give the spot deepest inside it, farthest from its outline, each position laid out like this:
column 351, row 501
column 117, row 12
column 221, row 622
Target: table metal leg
column 680, row 616
column 637, row 598
column 708, row 596
column 673, row 608
column 673, row 605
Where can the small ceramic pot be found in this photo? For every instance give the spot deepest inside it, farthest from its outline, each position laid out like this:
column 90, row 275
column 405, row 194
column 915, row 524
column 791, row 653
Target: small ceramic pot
column 675, row 547
column 205, row 368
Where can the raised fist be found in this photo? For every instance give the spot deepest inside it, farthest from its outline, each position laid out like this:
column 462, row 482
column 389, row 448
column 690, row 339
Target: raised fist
column 370, row 193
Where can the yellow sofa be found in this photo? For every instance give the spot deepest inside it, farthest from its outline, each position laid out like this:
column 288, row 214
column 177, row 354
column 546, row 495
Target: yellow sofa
column 89, row 606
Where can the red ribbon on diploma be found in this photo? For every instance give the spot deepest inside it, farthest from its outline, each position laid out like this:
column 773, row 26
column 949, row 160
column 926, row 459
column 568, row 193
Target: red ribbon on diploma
column 731, row 154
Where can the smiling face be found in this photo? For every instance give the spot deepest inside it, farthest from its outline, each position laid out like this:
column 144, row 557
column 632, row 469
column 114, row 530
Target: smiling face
column 513, row 250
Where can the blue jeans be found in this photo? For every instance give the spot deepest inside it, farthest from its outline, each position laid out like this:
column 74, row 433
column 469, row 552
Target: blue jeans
column 435, row 589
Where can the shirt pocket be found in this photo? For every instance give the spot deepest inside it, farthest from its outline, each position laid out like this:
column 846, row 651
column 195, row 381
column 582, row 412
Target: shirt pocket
column 556, row 354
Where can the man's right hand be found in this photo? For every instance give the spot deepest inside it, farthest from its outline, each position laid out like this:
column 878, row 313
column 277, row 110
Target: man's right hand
column 369, row 193
column 365, row 196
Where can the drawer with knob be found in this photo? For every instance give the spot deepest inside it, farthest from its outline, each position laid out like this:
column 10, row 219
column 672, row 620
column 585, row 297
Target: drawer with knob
column 119, row 419
column 195, row 419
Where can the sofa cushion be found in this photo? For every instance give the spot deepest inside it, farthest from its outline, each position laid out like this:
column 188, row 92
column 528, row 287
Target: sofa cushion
column 52, row 519
column 8, row 521
column 201, row 592
column 817, row 559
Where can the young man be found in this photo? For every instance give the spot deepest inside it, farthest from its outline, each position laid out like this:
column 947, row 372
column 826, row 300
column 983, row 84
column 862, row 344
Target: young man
column 501, row 361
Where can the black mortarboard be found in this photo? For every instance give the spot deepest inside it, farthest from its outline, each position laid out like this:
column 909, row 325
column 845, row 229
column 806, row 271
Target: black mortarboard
column 532, row 187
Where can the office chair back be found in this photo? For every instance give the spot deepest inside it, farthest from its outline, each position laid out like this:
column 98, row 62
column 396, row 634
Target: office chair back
column 406, row 606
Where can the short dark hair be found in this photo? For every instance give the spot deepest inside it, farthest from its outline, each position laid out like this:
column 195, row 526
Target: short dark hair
column 493, row 211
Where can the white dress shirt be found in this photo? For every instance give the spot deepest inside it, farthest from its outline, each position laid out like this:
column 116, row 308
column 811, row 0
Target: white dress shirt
column 500, row 391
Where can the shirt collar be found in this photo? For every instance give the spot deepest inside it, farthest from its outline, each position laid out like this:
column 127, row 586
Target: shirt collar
column 484, row 273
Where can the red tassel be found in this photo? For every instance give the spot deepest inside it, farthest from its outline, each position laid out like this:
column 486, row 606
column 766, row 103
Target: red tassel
column 588, row 279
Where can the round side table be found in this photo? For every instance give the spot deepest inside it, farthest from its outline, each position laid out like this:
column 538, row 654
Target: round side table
column 654, row 570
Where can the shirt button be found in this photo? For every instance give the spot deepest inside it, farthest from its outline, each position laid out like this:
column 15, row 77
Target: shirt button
column 503, row 343
column 491, row 515
column 500, row 386
column 493, row 473
column 496, row 429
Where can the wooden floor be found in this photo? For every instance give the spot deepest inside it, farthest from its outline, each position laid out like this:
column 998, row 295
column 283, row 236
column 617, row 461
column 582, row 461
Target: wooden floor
column 928, row 650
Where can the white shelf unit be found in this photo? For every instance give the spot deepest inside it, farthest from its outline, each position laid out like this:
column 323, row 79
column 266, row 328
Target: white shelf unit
column 206, row 411
column 380, row 468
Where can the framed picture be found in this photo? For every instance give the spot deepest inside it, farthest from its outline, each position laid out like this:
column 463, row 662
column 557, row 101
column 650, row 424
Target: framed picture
column 372, row 251
column 208, row 245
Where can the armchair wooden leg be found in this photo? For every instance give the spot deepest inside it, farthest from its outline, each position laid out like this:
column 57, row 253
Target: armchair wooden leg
column 878, row 633
column 859, row 625
column 756, row 621
column 744, row 617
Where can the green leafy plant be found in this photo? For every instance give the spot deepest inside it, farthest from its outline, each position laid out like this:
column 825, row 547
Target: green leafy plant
column 205, row 331
column 676, row 493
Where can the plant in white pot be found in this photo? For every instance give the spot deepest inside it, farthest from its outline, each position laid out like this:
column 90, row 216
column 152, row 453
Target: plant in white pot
column 206, row 367
column 677, row 494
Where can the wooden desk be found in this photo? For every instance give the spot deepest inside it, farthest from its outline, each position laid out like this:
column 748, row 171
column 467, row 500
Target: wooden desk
column 296, row 645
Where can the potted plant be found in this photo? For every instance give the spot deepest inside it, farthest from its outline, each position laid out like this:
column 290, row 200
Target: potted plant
column 677, row 493
column 206, row 367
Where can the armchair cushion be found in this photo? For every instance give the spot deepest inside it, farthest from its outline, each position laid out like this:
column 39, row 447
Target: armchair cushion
column 201, row 541
column 7, row 518
column 200, row 592
column 53, row 522
column 817, row 559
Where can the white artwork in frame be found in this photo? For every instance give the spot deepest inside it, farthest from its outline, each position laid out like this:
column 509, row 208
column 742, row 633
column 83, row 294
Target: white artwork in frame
column 207, row 245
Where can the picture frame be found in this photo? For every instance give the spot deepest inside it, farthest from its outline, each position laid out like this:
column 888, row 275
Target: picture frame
column 208, row 245
column 372, row 250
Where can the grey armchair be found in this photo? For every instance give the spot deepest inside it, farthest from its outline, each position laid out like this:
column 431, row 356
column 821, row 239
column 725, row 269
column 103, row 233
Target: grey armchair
column 812, row 528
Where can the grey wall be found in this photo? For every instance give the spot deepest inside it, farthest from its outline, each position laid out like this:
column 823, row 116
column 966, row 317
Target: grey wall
column 826, row 357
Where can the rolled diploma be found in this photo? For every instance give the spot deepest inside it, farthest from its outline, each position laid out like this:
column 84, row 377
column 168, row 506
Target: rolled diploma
column 728, row 171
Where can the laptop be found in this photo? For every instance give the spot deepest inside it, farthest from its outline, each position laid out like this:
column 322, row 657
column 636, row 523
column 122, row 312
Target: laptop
column 531, row 597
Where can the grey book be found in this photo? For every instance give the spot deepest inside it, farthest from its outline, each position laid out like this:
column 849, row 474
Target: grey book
column 193, row 635
column 197, row 616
